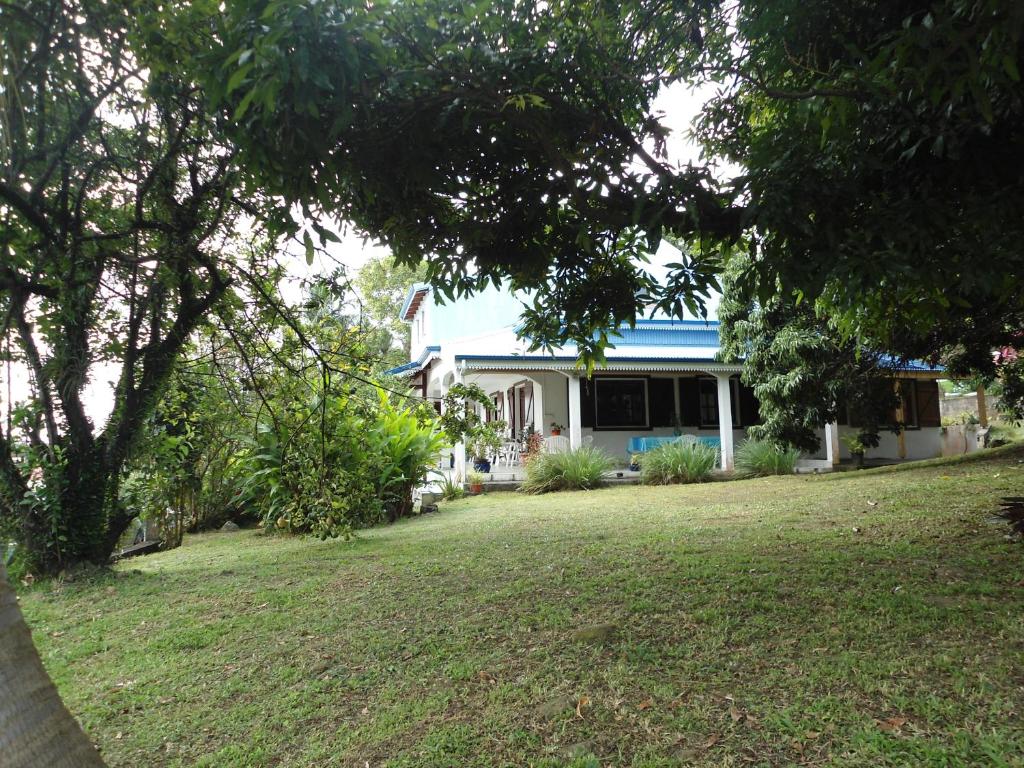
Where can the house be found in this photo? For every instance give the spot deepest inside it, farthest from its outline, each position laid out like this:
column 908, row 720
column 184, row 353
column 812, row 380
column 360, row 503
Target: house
column 661, row 379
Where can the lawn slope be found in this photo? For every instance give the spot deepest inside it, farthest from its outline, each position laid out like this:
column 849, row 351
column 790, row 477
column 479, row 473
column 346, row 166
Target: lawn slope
column 869, row 619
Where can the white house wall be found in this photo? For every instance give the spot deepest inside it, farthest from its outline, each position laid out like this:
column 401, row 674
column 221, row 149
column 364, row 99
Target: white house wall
column 923, row 443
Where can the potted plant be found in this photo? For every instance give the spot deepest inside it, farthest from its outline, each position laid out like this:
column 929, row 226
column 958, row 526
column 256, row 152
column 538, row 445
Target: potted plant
column 856, row 447
column 556, row 428
column 484, row 442
column 475, row 480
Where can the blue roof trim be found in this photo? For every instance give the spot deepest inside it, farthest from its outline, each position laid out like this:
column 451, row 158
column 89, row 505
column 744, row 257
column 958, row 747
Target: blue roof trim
column 910, row 366
column 413, row 290
column 414, row 365
column 573, row 358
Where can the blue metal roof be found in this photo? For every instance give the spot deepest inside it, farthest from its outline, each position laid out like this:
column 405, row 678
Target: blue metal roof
column 682, row 334
column 413, row 365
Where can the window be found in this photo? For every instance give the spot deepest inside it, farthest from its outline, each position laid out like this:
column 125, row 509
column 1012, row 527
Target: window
column 620, row 403
column 709, row 403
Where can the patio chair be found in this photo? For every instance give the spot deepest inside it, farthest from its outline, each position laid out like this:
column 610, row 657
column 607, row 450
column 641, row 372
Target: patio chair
column 556, row 444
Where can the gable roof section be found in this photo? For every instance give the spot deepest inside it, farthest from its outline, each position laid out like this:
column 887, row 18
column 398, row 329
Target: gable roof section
column 413, row 299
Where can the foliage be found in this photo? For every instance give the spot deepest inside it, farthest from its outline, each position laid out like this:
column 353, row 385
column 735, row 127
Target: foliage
column 475, row 478
column 581, row 469
column 486, row 439
column 760, row 458
column 404, row 444
column 382, row 284
column 878, row 142
column 459, row 418
column 120, row 210
column 678, row 462
column 803, row 371
column 451, row 487
column 533, row 447
column 484, row 106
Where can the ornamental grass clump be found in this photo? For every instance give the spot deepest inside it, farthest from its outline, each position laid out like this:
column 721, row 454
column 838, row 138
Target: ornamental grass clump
column 578, row 470
column 678, row 462
column 760, row 458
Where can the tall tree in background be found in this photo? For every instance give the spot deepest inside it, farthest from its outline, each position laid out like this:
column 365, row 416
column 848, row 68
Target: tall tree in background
column 382, row 284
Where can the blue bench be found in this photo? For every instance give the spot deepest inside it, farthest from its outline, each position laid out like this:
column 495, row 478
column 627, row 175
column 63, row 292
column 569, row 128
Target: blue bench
column 643, row 444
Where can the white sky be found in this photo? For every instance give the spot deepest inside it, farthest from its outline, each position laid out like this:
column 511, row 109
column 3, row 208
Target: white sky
column 679, row 105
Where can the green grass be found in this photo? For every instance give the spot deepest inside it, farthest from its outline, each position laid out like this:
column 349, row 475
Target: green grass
column 871, row 619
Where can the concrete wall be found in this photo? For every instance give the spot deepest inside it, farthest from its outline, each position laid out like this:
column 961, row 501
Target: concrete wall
column 951, row 406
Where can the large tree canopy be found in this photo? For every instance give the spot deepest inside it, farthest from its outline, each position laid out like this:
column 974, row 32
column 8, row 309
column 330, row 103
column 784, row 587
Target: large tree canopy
column 881, row 147
column 884, row 158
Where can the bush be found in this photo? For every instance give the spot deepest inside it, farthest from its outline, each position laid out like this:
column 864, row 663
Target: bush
column 760, row 458
column 451, row 487
column 578, row 470
column 678, row 462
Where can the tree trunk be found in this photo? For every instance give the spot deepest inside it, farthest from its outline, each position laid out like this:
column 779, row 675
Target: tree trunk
column 36, row 728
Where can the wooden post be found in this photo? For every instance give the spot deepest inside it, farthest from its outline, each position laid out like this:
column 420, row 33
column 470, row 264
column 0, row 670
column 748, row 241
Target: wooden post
column 901, row 437
column 982, row 406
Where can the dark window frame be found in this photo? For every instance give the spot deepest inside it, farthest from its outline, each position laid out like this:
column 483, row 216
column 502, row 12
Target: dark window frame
column 598, row 427
column 734, row 402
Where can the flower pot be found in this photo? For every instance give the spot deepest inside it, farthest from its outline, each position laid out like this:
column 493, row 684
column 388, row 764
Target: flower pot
column 482, row 465
column 556, row 432
column 476, row 488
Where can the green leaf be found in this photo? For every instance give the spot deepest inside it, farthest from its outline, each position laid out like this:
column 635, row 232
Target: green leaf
column 310, row 248
column 238, row 77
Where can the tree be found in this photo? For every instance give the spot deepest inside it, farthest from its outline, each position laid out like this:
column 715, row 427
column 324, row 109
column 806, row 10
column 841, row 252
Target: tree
column 802, row 370
column 880, row 145
column 382, row 284
column 120, row 217
column 497, row 141
column 38, row 729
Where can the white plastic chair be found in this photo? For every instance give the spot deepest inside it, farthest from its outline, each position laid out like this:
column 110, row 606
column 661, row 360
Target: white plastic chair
column 556, row 444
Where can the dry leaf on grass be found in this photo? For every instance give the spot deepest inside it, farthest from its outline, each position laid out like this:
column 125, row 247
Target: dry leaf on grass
column 892, row 724
column 583, row 703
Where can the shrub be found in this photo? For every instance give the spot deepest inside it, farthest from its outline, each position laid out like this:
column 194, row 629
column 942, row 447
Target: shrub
column 760, row 458
column 578, row 470
column 678, row 462
column 451, row 487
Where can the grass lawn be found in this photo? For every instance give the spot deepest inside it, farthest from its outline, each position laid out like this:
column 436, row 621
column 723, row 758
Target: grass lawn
column 871, row 618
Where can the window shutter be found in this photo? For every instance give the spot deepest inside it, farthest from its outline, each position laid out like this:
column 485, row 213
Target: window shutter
column 928, row 414
column 689, row 401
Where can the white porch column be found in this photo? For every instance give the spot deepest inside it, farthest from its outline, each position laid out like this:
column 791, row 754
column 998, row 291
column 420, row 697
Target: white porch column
column 725, row 420
column 832, row 443
column 538, row 408
column 460, row 447
column 575, row 423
